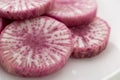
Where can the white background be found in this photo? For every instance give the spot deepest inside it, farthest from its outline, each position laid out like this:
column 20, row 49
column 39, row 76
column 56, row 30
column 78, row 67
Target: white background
column 95, row 68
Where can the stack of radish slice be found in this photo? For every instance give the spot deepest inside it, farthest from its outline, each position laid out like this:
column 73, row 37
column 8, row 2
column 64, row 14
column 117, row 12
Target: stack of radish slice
column 34, row 45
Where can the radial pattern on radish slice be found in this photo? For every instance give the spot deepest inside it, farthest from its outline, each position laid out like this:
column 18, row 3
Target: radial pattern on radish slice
column 74, row 12
column 35, row 47
column 23, row 9
column 90, row 40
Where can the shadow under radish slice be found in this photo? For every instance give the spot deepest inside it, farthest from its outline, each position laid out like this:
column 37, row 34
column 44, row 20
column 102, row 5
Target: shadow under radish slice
column 35, row 47
column 3, row 23
column 24, row 9
column 89, row 40
column 74, row 12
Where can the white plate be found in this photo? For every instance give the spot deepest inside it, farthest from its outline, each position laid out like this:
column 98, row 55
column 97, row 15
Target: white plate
column 95, row 68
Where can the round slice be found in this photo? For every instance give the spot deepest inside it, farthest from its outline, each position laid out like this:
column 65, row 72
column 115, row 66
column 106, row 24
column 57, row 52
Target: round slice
column 35, row 47
column 74, row 12
column 90, row 40
column 23, row 9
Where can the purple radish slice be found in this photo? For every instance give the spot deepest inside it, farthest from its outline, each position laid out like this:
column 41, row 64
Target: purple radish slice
column 89, row 40
column 35, row 47
column 74, row 12
column 23, row 9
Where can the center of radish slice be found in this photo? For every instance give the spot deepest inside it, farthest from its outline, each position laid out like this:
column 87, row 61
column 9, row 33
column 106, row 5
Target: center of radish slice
column 66, row 1
column 35, row 41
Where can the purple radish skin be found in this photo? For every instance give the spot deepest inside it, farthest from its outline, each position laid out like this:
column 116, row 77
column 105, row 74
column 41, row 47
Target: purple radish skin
column 35, row 47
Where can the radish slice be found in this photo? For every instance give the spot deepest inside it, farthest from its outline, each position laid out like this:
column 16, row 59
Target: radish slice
column 90, row 40
column 74, row 12
column 35, row 47
column 23, row 9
